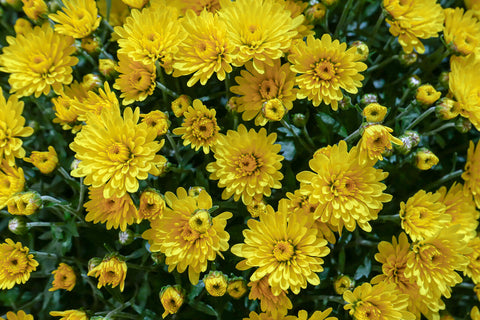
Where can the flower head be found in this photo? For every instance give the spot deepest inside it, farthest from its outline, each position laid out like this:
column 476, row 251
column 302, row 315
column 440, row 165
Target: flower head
column 427, row 95
column 34, row 9
column 198, row 6
column 152, row 205
column 78, row 18
column 216, row 283
column 325, row 67
column 70, row 315
column 473, row 268
column 425, row 159
column 199, row 129
column 45, row 161
column 63, row 278
column 22, row 26
column 110, row 271
column 376, row 139
column 462, row 30
column 20, row 315
column 137, row 4
column 180, row 105
column 374, row 112
column 236, row 287
column 119, row 11
column 247, row 164
column 115, row 152
column 15, row 264
column 66, row 112
column 187, row 234
column 342, row 284
column 172, row 299
column 24, row 203
column 38, row 61
column 471, row 176
column 269, row 302
column 157, row 120
column 317, row 315
column 12, row 181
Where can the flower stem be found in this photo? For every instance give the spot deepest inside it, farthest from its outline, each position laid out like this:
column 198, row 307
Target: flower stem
column 80, row 197
column 307, row 136
column 65, row 174
column 383, row 63
column 44, row 254
column 139, row 267
column 435, row 131
column 343, row 18
column 227, row 86
column 394, row 218
column 354, row 135
column 302, row 142
column 174, row 147
column 421, row 118
column 445, row 178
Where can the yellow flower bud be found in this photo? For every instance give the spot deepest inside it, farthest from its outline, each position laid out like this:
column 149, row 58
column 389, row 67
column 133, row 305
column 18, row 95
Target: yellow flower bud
column 157, row 120
column 195, row 191
column 427, row 95
column 374, row 112
column 22, row 26
column 180, row 105
column 342, row 284
column 446, row 109
column 216, row 283
column 24, row 204
column 316, row 12
column 91, row 81
column 362, row 49
column 237, row 287
column 172, row 299
column 63, row 278
column 200, row 221
column 45, row 161
column 34, row 9
column 257, row 207
column 90, row 44
column 106, row 67
column 273, row 109
column 425, row 159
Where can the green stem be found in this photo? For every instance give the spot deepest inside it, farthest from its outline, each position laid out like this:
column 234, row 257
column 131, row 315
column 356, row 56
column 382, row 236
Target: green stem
column 227, row 86
column 383, row 63
column 81, row 197
column 435, row 131
column 88, row 57
column 307, row 136
column 445, row 178
column 302, row 142
column 139, row 267
column 380, row 19
column 65, row 174
column 51, row 199
column 421, row 118
column 343, row 18
column 166, row 91
column 175, row 148
column 393, row 218
column 44, row 254
column 354, row 135
column 106, row 54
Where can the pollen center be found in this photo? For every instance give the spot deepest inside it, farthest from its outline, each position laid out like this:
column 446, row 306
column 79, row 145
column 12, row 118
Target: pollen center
column 367, row 311
column 41, row 63
column 248, row 164
column 188, row 234
column 118, row 152
column 200, row 221
column 325, row 70
column 203, row 128
column 283, row 251
column 268, row 89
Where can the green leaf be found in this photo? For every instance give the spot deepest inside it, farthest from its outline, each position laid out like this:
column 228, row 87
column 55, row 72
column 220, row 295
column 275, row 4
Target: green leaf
column 203, row 307
column 364, row 270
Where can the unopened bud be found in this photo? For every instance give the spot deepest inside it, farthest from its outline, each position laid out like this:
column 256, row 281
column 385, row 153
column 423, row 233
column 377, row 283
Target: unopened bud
column 414, row 82
column 410, row 140
column 172, row 298
column 463, row 125
column 445, row 109
column 24, row 203
column 195, row 191
column 444, row 79
column 126, row 237
column 237, row 287
column 91, row 81
column 427, row 95
column 106, row 67
column 17, row 226
column 345, row 103
column 273, row 110
column 362, row 49
column 180, row 105
column 369, row 98
column 158, row 258
column 374, row 112
column 425, row 159
column 299, row 120
column 92, row 263
column 316, row 13
column 343, row 283
column 407, row 59
column 91, row 44
column 216, row 283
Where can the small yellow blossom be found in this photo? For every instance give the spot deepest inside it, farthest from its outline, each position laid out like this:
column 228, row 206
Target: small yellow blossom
column 152, row 205
column 16, row 264
column 172, row 299
column 20, row 315
column 236, row 287
column 63, row 278
column 374, row 112
column 273, row 110
column 110, row 271
column 427, row 95
column 216, row 283
column 45, row 161
column 70, row 315
column 180, row 105
column 24, row 203
column 12, row 181
column 106, row 67
column 425, row 159
column 34, row 9
column 375, row 140
column 157, row 120
column 78, row 18
column 342, row 284
column 22, row 26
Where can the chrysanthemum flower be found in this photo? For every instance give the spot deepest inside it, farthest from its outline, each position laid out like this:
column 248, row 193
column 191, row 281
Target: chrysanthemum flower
column 471, row 176
column 348, row 192
column 261, row 30
column 423, row 215
column 274, row 304
column 12, row 128
column 172, row 299
column 412, row 20
column 432, row 263
column 70, row 315
column 325, row 67
column 381, row 301
column 12, row 181
column 77, row 19
column 216, row 283
column 461, row 207
column 237, row 287
column 475, row 313
column 116, row 152
column 247, row 164
column 462, row 30
column 199, row 129
column 95, row 103
column 20, row 315
column 425, row 159
column 63, row 278
column 15, row 264
column 375, row 140
column 196, row 5
column 119, row 11
column 374, row 112
column 22, row 26
column 254, row 88
column 187, row 234
column 64, row 106
column 112, row 271
column 285, row 247
column 342, row 284
column 473, row 268
column 205, row 50
column 180, row 105
column 136, row 80
column 24, row 203
column 296, row 9
column 158, row 120
column 38, row 61
column 45, row 161
column 150, row 35
column 117, row 212
column 34, row 9
column 256, row 207
column 137, row 4
column 317, row 315
column 427, row 95
column 152, row 205
column 474, row 6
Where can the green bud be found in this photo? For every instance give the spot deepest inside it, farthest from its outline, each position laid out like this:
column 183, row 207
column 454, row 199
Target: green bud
column 369, row 98
column 444, row 79
column 126, row 237
column 345, row 103
column 17, row 226
column 410, row 140
column 299, row 120
column 158, row 257
column 407, row 59
column 463, row 125
column 414, row 82
column 92, row 263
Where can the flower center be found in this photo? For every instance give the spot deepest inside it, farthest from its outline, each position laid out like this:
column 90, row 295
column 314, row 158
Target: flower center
column 200, row 221
column 283, row 251
column 248, row 164
column 268, row 89
column 16, row 263
column 367, row 311
column 203, row 128
column 40, row 63
column 188, row 234
column 141, row 80
column 342, row 186
column 325, row 70
column 118, row 152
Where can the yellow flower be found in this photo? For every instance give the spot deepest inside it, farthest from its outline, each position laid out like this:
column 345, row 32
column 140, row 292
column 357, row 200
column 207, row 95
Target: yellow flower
column 348, row 192
column 316, row 12
column 110, row 271
column 172, row 299
column 20, row 315
column 12, row 128
column 274, row 304
column 106, row 67
column 157, row 120
column 45, row 161
column 461, row 30
column 63, row 278
column 152, row 205
column 427, row 95
column 342, row 284
column 474, row 6
column 136, row 80
column 256, row 207
column 247, row 164
column 151, row 35
column 446, row 109
column 380, row 301
column 12, row 181
column 116, row 152
column 15, row 264
column 70, row 315
column 205, row 50
column 22, row 26
column 471, row 175
column 216, row 283
column 24, row 203
column 412, row 20
column 461, row 207
column 95, row 103
column 432, row 262
column 317, row 315
column 91, row 45
column 196, row 5
column 65, row 106
column 255, row 89
column 187, row 234
column 78, row 18
column 285, row 247
column 199, row 129
column 475, row 313
column 326, row 68
column 236, row 287
column 476, row 289
column 261, row 30
column 296, row 9
column 137, row 4
column 374, row 112
column 273, row 110
column 34, row 9
column 473, row 268
column 180, row 105
column 425, row 159
column 119, row 11
column 38, row 61
column 375, row 140
column 117, row 212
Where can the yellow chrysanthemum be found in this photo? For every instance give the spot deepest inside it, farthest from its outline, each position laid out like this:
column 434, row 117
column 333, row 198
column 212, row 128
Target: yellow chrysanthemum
column 255, row 89
column 196, row 5
column 462, row 30
column 172, row 299
column 427, row 95
column 216, row 283
column 64, row 106
column 475, row 313
column 317, row 315
column 77, row 19
column 15, row 264
column 137, row 4
column 471, row 176
column 70, row 315
column 247, row 164
column 425, row 159
column 157, row 120
column 12, row 181
column 205, row 50
column 187, row 234
column 115, row 152
column 20, row 315
column 274, row 304
column 237, row 287
column 45, row 161
column 12, row 128
column 38, row 61
column 325, row 68
column 374, row 112
column 180, row 105
column 117, row 212
column 119, row 11
column 284, row 247
column 199, row 129
column 22, row 26
column 375, row 140
column 94, row 103
column 474, row 6
column 136, row 80
column 24, row 203
column 423, row 215
column 349, row 192
column 296, row 9
column 261, row 30
column 152, row 205
column 34, row 9
column 381, row 301
column 63, row 278
column 342, row 284
column 412, row 20
column 473, row 268
column 151, row 35
column 110, row 271
column 432, row 263
column 461, row 208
